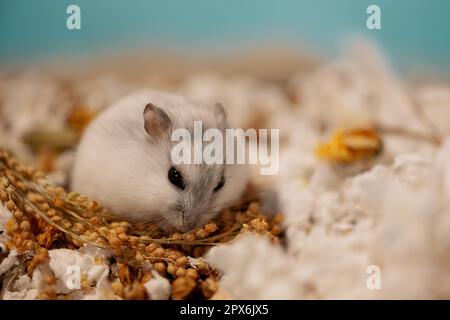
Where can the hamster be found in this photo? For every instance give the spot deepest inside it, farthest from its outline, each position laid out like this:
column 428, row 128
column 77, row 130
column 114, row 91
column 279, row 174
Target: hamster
column 124, row 162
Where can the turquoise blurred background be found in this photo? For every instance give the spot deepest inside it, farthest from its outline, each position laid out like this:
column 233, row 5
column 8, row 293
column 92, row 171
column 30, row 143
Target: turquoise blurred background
column 415, row 33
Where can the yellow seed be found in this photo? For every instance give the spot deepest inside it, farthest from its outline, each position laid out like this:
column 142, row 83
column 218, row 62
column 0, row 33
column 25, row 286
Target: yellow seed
column 254, row 207
column 4, row 182
column 26, row 235
column 176, row 235
column 158, row 252
column 10, row 190
column 178, row 253
column 101, row 241
column 133, row 240
column 58, row 202
column 18, row 242
column 145, row 238
column 182, row 261
column 202, row 265
column 21, row 186
column 182, row 287
column 10, row 176
column 82, row 198
column 192, row 273
column 209, row 287
column 41, row 256
column 123, row 237
column 11, row 226
column 211, row 227
column 276, row 230
column 95, row 221
column 50, row 280
column 12, row 162
column 278, row 218
column 51, row 213
column 189, row 236
column 93, row 237
column 44, row 206
column 92, row 205
column 115, row 224
column 171, row 268
column 114, row 240
column 201, row 233
column 160, row 267
column 139, row 258
column 180, row 272
column 10, row 205
column 28, row 244
column 124, row 224
column 103, row 230
column 79, row 228
column 135, row 291
column 3, row 195
column 25, row 225
column 56, row 218
column 39, row 197
column 171, row 256
column 18, row 215
column 241, row 218
column 117, row 288
column 72, row 196
column 120, row 230
column 99, row 260
column 66, row 224
column 87, row 233
column 60, row 191
column 124, row 274
column 78, row 243
column 151, row 247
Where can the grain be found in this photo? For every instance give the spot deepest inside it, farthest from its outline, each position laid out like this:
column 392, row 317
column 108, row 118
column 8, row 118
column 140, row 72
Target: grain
column 182, row 287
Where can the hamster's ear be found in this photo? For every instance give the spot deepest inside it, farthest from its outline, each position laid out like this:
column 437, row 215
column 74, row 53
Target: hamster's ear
column 221, row 116
column 156, row 121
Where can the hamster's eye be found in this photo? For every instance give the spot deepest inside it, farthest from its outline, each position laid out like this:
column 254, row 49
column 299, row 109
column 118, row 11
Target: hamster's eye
column 220, row 185
column 176, row 178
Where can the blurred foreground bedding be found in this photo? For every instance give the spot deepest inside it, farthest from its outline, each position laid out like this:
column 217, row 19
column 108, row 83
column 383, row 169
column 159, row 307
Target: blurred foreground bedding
column 364, row 185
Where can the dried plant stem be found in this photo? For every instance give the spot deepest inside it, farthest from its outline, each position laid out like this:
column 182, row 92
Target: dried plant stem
column 47, row 217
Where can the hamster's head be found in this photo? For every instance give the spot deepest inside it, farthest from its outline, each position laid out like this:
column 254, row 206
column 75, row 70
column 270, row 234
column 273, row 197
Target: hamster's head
column 188, row 194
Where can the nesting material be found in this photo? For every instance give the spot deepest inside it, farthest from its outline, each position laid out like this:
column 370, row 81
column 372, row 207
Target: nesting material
column 352, row 200
column 46, row 218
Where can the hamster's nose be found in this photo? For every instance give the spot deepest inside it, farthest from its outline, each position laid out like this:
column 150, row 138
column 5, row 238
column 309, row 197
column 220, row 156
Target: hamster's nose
column 188, row 224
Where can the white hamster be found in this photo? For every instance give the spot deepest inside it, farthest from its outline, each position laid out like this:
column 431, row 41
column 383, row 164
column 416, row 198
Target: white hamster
column 124, row 162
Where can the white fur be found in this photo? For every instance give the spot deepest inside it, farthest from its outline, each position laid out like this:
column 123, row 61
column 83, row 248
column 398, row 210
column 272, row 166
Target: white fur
column 117, row 165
